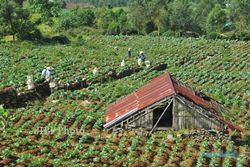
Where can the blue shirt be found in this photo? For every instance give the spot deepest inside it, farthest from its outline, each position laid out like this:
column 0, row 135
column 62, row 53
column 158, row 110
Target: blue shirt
column 142, row 57
column 47, row 72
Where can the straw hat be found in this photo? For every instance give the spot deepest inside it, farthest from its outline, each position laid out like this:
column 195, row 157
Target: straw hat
column 141, row 52
column 49, row 68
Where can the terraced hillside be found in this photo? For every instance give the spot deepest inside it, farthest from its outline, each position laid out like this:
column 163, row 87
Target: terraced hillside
column 66, row 129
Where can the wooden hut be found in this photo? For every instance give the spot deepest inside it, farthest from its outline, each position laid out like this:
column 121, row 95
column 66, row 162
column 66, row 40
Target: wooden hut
column 166, row 103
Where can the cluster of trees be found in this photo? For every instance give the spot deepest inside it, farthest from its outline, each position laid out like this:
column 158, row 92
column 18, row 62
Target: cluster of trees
column 211, row 18
column 15, row 17
column 197, row 17
column 101, row 3
column 75, row 18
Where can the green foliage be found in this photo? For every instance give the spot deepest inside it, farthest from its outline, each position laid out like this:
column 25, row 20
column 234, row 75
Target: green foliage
column 47, row 8
column 241, row 160
column 113, row 22
column 224, row 76
column 17, row 22
column 75, row 18
column 216, row 20
column 3, row 117
column 6, row 153
column 239, row 12
column 180, row 15
column 211, row 18
column 138, row 15
column 3, row 112
column 101, row 3
column 217, row 144
column 200, row 13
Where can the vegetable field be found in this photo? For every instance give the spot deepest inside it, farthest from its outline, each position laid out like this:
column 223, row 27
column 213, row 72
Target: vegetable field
column 66, row 128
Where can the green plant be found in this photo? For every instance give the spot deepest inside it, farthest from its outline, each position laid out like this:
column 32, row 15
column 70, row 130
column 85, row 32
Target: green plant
column 3, row 117
column 6, row 153
column 242, row 158
column 217, row 144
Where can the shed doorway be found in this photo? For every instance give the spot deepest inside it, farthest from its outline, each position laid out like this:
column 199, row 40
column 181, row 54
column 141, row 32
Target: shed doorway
column 166, row 120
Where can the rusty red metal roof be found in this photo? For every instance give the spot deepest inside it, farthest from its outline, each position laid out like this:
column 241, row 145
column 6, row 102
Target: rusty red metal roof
column 210, row 105
column 157, row 89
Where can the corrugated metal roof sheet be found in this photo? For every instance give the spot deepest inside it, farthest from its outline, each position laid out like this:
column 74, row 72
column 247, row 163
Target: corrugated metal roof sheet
column 157, row 89
column 211, row 105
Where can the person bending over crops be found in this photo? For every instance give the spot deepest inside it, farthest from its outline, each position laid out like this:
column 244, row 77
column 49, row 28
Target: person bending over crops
column 47, row 73
column 30, row 82
column 53, row 85
column 141, row 58
column 123, row 63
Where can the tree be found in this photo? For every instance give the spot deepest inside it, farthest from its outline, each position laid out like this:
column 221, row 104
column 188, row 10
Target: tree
column 20, row 2
column 223, row 3
column 104, row 17
column 16, row 21
column 158, row 13
column 75, row 18
column 112, row 21
column 180, row 16
column 200, row 14
column 138, row 15
column 239, row 13
column 7, row 15
column 216, row 21
column 122, row 20
column 47, row 8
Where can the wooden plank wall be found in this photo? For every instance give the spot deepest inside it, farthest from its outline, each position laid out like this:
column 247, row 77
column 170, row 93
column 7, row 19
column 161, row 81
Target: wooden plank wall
column 145, row 122
column 187, row 117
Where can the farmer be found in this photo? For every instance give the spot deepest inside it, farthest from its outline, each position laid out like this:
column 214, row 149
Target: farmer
column 116, row 51
column 141, row 58
column 53, row 86
column 30, row 82
column 47, row 72
column 147, row 63
column 129, row 53
column 123, row 63
column 95, row 70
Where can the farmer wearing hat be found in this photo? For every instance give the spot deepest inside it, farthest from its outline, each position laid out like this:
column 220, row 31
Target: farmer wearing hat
column 141, row 58
column 129, row 53
column 47, row 72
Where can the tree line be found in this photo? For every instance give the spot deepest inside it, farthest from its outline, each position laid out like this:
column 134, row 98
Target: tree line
column 102, row 3
column 209, row 18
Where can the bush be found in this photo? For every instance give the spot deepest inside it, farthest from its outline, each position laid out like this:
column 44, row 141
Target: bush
column 75, row 18
column 216, row 20
column 213, row 35
column 29, row 32
column 171, row 34
column 241, row 36
column 60, row 39
column 150, row 27
column 154, row 34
